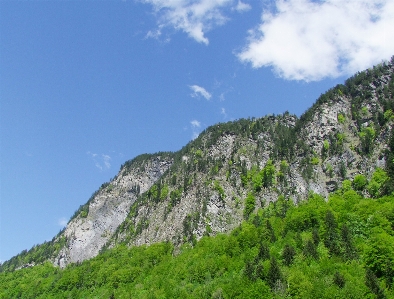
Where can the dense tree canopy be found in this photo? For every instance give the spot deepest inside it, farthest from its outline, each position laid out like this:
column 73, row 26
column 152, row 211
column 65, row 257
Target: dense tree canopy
column 340, row 248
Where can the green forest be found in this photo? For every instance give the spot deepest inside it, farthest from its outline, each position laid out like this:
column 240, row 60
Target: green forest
column 287, row 246
column 340, row 248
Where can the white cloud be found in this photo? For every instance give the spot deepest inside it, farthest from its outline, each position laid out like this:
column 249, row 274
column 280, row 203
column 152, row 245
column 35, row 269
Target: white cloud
column 106, row 160
column 223, row 112
column 310, row 40
column 153, row 34
column 242, row 7
column 62, row 222
column 195, row 124
column 102, row 162
column 198, row 90
column 195, row 135
column 194, row 17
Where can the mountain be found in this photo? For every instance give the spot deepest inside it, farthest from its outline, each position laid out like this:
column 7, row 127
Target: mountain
column 232, row 169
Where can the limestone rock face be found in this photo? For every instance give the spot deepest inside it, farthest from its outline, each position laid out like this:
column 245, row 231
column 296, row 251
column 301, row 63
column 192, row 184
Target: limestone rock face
column 201, row 189
column 86, row 235
column 327, row 149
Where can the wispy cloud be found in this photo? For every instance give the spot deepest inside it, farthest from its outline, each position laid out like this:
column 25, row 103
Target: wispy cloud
column 195, row 135
column 195, row 124
column 242, row 7
column 223, row 112
column 200, row 91
column 62, row 221
column 106, row 160
column 194, row 17
column 102, row 162
column 311, row 40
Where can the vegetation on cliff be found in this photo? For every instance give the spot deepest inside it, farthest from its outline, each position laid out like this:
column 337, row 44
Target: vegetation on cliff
column 258, row 180
column 340, row 248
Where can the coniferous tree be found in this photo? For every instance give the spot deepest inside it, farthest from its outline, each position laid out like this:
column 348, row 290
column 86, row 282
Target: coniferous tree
column 271, row 231
column 250, row 270
column 331, row 236
column 315, row 236
column 339, row 279
column 310, row 250
column 298, row 240
column 274, row 273
column 260, row 271
column 372, row 282
column 264, row 252
column 349, row 250
column 389, row 273
column 288, row 255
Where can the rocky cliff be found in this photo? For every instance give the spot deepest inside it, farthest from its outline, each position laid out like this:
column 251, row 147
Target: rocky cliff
column 92, row 227
column 203, row 189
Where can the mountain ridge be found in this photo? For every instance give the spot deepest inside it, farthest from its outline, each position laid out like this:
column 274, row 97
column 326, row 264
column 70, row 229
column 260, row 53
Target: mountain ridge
column 203, row 189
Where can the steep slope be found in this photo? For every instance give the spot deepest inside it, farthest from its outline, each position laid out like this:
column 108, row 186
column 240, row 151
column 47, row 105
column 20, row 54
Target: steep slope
column 232, row 169
column 206, row 190
column 90, row 230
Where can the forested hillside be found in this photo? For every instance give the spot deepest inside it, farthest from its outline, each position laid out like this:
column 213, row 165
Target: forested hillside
column 342, row 248
column 271, row 206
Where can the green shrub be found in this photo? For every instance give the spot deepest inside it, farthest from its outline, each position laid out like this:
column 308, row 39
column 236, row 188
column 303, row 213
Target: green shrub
column 315, row 161
column 367, row 136
column 388, row 115
column 359, row 182
column 341, row 118
column 220, row 190
column 164, row 192
column 250, row 204
column 379, row 178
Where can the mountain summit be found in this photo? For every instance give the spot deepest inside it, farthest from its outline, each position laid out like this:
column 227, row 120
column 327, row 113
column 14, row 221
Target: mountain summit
column 231, row 169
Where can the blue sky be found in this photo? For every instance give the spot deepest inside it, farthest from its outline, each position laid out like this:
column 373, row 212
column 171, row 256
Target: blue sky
column 87, row 85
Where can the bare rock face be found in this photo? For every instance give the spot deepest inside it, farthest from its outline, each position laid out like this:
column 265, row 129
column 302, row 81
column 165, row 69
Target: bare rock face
column 201, row 190
column 326, row 151
column 87, row 234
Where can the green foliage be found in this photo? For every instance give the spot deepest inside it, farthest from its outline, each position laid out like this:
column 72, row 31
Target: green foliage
column 331, row 237
column 375, row 186
column 274, row 274
column 359, row 182
column 341, row 118
column 315, row 161
column 379, row 254
column 388, row 115
column 367, row 137
column 164, row 192
column 373, row 284
column 175, row 196
column 219, row 189
column 110, row 188
column 250, row 204
column 342, row 169
column 268, row 174
column 349, row 250
column 388, row 187
column 310, row 250
column 257, row 180
column 339, row 280
column 346, row 185
column 247, row 263
column 325, row 149
column 288, row 255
